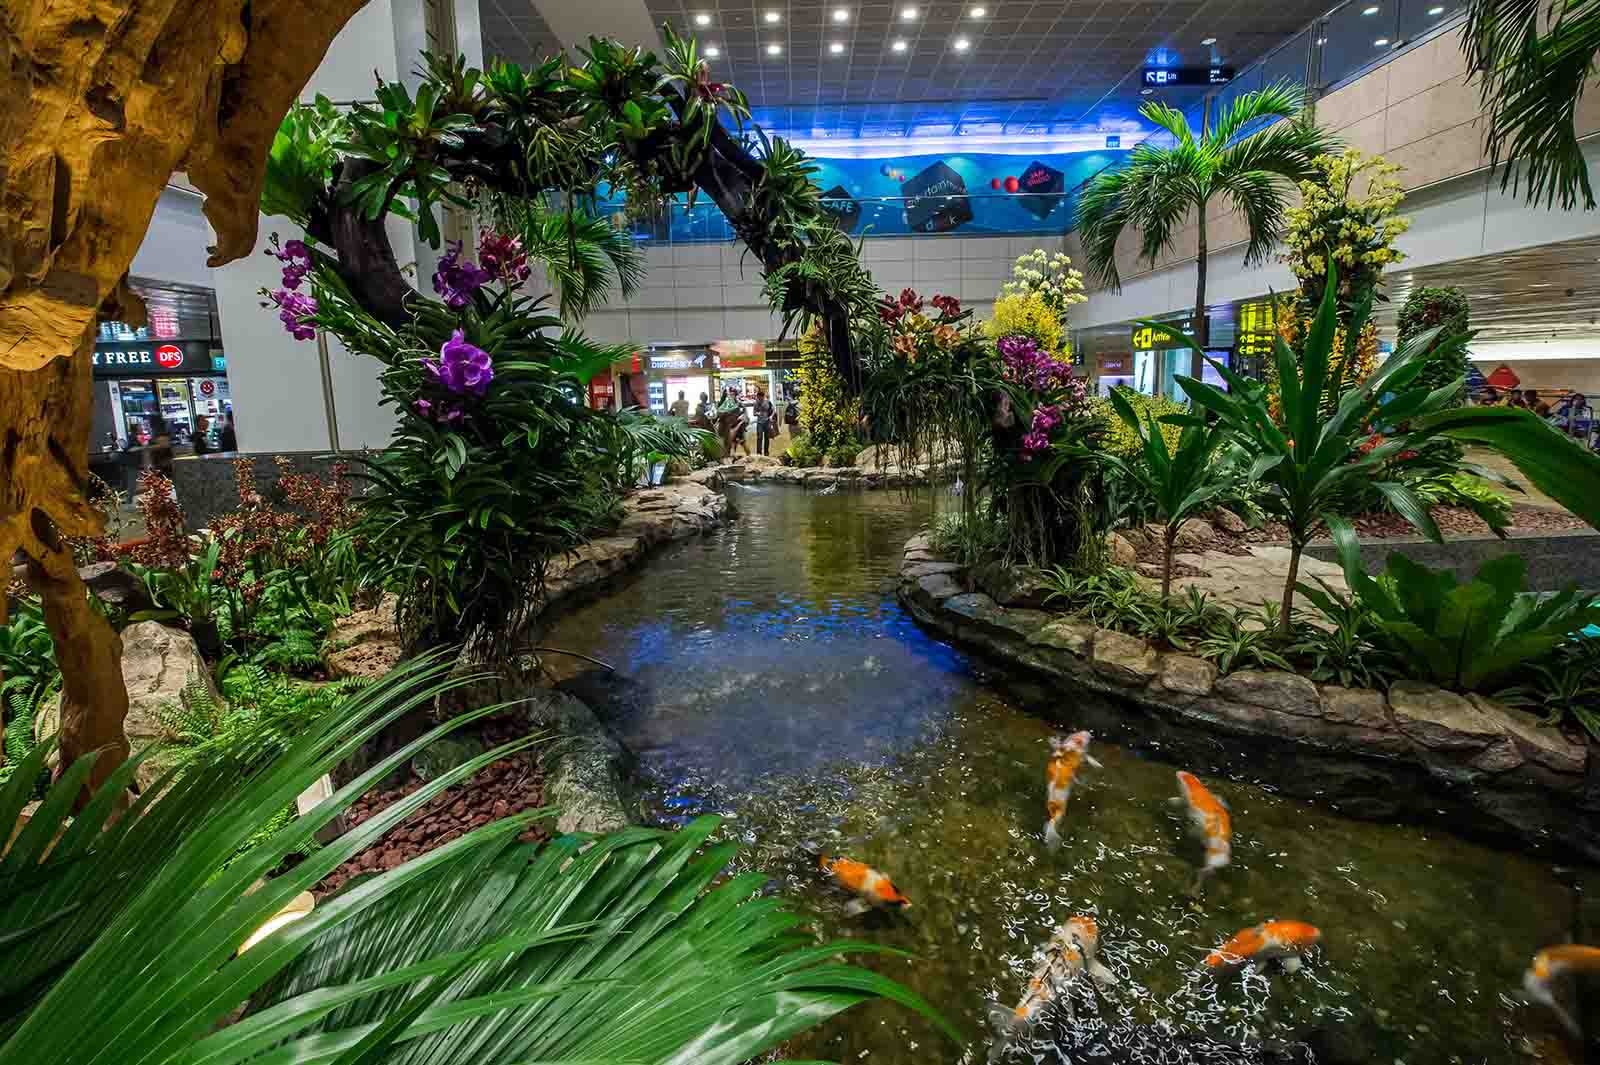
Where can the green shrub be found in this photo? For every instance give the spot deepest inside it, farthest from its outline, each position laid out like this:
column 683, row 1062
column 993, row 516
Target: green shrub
column 1430, row 308
column 1566, row 685
column 801, row 452
column 1121, row 439
column 1465, row 490
column 842, row 455
column 261, row 714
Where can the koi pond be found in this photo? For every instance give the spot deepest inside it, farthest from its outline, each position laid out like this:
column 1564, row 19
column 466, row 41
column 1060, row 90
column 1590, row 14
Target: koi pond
column 767, row 674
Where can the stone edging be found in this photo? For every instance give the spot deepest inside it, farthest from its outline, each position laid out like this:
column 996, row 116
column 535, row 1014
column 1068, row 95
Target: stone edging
column 583, row 766
column 1419, row 754
column 866, row 477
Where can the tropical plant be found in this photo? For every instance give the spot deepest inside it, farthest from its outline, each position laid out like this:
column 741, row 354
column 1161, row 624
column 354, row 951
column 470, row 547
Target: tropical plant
column 1533, row 62
column 1050, row 277
column 1347, row 651
column 1182, row 482
column 1464, row 490
column 28, row 666
column 1444, row 309
column 1566, row 685
column 1308, row 460
column 583, row 254
column 1159, row 188
column 828, row 412
column 1118, row 437
column 1245, row 640
column 124, row 931
column 1471, row 636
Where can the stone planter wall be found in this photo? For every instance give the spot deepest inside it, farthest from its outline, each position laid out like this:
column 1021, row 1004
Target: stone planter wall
column 751, row 469
column 1418, row 754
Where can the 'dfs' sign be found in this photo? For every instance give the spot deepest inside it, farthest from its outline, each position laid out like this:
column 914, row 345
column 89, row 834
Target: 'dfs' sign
column 169, row 356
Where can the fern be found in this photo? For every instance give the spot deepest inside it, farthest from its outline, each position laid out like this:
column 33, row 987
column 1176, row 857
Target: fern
column 260, row 714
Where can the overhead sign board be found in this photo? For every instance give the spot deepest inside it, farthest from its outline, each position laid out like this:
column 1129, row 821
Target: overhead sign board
column 741, row 354
column 1149, row 338
column 151, row 358
column 682, row 359
column 1160, row 77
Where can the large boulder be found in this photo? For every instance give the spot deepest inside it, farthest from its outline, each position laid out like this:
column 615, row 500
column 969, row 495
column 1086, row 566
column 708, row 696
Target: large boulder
column 1013, row 586
column 1123, row 658
column 161, row 666
column 1273, row 690
column 1441, row 720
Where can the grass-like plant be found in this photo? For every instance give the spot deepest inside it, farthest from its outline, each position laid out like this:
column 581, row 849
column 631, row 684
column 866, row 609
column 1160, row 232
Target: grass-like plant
column 122, row 933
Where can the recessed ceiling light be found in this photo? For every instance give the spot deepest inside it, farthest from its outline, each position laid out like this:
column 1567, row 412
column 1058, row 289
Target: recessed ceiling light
column 1373, row 10
column 1436, row 10
column 908, row 13
column 979, row 12
column 962, row 44
column 1146, row 92
column 841, row 14
column 773, row 16
column 712, row 51
column 1209, row 41
column 702, row 19
column 836, row 47
column 1380, row 42
column 1322, row 40
column 899, row 45
column 774, row 49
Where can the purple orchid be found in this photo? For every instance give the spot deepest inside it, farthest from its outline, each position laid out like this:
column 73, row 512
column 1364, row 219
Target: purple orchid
column 461, row 368
column 501, row 254
column 293, row 307
column 456, row 281
column 296, row 259
column 1031, row 366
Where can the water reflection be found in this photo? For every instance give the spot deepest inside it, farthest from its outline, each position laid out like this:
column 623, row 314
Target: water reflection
column 767, row 674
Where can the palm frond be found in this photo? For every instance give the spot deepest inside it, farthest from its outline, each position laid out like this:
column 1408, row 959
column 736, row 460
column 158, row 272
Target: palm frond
column 1261, row 200
column 1282, row 99
column 1532, row 70
column 123, row 933
column 1102, row 213
column 1170, row 119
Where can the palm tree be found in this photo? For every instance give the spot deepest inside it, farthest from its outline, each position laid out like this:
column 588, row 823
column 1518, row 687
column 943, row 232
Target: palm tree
column 1533, row 66
column 1159, row 187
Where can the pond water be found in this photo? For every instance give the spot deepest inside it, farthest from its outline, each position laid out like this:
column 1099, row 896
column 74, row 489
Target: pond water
column 766, row 673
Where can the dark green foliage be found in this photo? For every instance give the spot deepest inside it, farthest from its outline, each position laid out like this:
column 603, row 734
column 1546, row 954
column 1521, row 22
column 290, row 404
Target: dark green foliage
column 1246, row 641
column 261, row 713
column 1566, row 685
column 1472, row 636
column 1533, row 62
column 120, row 938
column 1350, row 651
column 1447, row 310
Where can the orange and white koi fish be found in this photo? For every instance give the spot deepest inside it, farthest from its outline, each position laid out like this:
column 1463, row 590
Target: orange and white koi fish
column 1066, row 756
column 1210, row 820
column 1070, row 952
column 871, row 887
column 1549, row 965
column 1286, row 941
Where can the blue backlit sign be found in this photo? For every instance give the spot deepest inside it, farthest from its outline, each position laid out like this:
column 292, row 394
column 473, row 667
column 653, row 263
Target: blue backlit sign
column 1163, row 76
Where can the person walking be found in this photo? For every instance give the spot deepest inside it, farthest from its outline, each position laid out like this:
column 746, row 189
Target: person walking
column 766, row 414
column 202, row 435
column 228, row 439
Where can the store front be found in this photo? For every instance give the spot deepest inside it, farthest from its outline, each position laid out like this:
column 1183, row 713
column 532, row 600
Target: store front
column 182, row 380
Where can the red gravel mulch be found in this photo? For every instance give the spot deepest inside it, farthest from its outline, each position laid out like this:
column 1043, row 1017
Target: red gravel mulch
column 1457, row 521
column 509, row 786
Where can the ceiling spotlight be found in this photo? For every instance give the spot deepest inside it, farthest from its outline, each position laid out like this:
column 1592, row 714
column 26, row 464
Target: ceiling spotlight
column 1380, row 42
column 1146, row 92
column 908, row 13
column 1209, row 41
column 979, row 12
column 773, row 16
column 1373, row 10
column 1436, row 10
column 841, row 14
column 774, row 49
column 712, row 51
column 1322, row 40
column 962, row 44
column 899, row 44
column 837, row 47
column 702, row 19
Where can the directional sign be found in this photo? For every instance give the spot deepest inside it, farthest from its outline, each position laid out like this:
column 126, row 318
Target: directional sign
column 1160, row 77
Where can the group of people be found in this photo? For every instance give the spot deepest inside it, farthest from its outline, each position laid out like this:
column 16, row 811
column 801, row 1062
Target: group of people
column 157, row 449
column 762, row 411
column 1527, row 398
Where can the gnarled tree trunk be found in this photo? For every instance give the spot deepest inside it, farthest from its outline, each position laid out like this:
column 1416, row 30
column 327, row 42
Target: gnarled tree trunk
column 104, row 101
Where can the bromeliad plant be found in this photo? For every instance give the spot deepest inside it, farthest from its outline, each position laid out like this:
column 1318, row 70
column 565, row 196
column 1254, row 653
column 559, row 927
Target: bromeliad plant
column 1308, row 459
column 124, row 930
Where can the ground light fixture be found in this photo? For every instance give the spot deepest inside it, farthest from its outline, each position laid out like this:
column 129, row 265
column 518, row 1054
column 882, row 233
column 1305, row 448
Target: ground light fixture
column 841, row 14
column 702, row 19
column 837, row 47
column 712, row 51
column 774, row 49
column 899, row 44
column 299, row 906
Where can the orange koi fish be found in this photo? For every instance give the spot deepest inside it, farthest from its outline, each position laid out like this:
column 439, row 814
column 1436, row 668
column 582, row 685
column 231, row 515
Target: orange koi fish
column 1286, row 941
column 1066, row 756
column 871, row 887
column 1070, row 952
column 1210, row 820
column 1549, row 965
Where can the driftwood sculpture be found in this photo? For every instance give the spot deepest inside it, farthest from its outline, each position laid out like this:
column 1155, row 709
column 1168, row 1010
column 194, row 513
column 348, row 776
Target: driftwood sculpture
column 104, row 102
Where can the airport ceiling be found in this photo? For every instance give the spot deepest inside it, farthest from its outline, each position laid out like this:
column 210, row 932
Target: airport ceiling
column 845, row 68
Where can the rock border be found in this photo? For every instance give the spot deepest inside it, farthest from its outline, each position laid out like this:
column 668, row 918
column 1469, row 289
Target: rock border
column 1418, row 754
column 743, row 470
